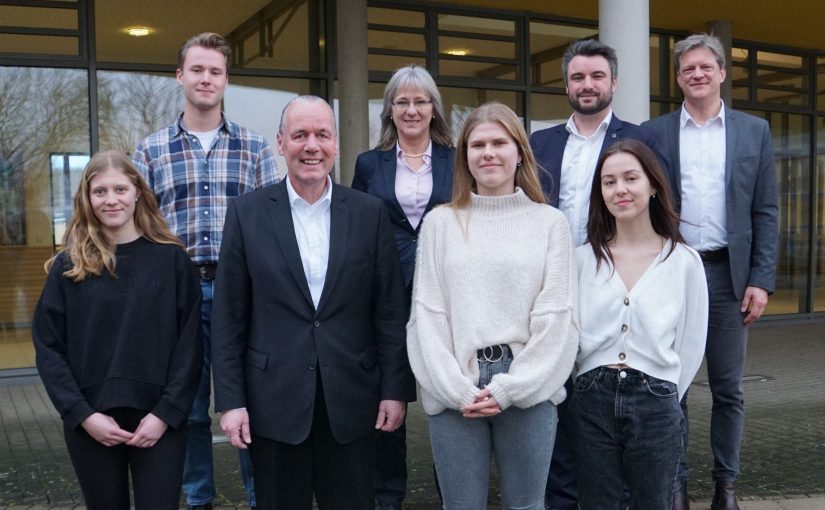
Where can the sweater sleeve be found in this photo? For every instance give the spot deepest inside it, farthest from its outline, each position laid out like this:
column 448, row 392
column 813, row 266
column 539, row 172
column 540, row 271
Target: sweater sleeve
column 429, row 338
column 186, row 363
column 539, row 371
column 50, row 344
column 692, row 331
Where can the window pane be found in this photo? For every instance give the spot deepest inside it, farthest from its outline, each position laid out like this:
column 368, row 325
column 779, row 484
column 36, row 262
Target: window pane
column 396, row 41
column 459, row 102
column 472, row 69
column 39, row 44
column 35, row 128
column 489, row 26
column 766, row 58
column 548, row 110
column 390, row 63
column 476, row 47
column 819, row 221
column 38, row 17
column 397, row 17
column 547, row 44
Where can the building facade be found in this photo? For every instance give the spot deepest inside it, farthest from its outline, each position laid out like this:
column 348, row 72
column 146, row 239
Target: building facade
column 77, row 76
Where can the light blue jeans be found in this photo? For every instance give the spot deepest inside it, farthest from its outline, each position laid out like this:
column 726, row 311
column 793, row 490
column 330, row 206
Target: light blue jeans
column 520, row 439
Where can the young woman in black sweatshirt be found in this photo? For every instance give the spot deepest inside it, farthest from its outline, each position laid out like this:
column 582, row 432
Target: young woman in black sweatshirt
column 116, row 333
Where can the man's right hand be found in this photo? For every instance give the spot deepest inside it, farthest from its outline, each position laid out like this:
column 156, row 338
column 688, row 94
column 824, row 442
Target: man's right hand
column 235, row 424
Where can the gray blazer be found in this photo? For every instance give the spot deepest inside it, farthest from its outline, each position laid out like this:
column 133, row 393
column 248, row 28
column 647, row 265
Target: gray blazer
column 750, row 186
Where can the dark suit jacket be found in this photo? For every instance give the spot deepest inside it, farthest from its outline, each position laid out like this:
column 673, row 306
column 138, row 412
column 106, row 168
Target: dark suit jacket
column 375, row 174
column 268, row 340
column 750, row 186
column 548, row 147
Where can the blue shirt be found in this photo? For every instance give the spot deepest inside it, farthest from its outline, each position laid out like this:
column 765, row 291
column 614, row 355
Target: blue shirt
column 193, row 185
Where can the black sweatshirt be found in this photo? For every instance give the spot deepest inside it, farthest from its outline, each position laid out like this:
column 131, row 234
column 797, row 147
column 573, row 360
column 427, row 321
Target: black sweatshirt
column 132, row 341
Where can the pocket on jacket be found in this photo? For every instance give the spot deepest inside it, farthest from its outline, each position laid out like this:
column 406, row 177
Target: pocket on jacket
column 256, row 359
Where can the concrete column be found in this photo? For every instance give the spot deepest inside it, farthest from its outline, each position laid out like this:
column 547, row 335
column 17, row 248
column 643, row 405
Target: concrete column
column 724, row 31
column 625, row 26
column 353, row 78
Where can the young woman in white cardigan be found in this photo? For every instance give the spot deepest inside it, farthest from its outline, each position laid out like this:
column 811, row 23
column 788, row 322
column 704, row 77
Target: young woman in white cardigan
column 492, row 334
column 643, row 311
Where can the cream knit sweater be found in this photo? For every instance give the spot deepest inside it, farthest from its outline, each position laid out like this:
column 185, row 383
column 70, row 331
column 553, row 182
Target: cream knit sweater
column 510, row 280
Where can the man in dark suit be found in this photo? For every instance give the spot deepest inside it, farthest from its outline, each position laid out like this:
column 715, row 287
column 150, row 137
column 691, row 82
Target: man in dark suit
column 567, row 156
column 724, row 168
column 309, row 349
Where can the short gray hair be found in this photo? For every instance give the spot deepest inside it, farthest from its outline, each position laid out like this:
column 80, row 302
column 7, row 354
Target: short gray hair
column 708, row 41
column 306, row 98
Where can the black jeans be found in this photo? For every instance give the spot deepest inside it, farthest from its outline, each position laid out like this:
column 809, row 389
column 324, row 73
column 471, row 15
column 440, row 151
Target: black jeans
column 625, row 426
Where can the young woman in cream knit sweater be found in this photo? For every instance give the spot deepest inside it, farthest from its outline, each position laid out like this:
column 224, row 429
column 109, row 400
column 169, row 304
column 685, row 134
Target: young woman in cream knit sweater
column 492, row 334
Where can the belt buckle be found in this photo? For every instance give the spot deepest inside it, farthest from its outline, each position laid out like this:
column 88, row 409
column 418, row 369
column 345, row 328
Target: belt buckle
column 491, row 354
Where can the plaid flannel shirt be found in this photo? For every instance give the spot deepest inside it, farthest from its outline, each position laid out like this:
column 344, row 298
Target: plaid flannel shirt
column 193, row 186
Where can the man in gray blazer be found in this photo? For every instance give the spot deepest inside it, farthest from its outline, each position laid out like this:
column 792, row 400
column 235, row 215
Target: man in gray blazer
column 723, row 167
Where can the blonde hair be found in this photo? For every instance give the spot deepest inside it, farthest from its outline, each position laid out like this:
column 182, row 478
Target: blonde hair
column 526, row 178
column 84, row 241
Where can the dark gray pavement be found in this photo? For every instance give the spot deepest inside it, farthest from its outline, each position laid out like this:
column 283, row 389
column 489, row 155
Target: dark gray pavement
column 783, row 454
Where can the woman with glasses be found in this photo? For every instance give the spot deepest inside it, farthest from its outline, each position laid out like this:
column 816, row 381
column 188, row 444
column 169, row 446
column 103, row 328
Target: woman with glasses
column 643, row 309
column 411, row 170
column 492, row 334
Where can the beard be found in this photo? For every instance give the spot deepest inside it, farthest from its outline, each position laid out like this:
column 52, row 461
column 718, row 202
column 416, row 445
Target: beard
column 602, row 103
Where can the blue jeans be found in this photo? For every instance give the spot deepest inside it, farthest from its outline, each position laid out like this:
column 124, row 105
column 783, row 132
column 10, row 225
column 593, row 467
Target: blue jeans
column 625, row 426
column 198, row 478
column 725, row 350
column 520, row 439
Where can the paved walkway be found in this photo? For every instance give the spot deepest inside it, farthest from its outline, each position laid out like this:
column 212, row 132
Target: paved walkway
column 783, row 453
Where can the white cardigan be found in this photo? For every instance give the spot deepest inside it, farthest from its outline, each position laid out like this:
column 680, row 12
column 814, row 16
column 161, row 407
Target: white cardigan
column 658, row 328
column 512, row 281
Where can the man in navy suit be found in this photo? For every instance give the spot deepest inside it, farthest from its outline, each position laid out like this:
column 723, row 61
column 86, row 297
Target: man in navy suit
column 567, row 156
column 308, row 340
column 724, row 168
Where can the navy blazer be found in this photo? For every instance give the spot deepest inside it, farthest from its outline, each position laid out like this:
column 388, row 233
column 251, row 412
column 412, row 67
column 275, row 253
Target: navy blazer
column 548, row 147
column 269, row 342
column 750, row 187
column 375, row 174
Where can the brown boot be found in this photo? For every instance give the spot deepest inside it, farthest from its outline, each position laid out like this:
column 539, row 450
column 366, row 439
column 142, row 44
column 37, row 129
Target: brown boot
column 680, row 495
column 724, row 498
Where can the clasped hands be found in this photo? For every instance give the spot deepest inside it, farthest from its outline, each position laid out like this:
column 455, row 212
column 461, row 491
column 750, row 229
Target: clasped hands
column 485, row 406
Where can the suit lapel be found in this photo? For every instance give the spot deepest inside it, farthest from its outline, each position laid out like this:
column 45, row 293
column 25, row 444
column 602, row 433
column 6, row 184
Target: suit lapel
column 440, row 172
column 389, row 162
column 338, row 234
column 730, row 146
column 613, row 133
column 285, row 236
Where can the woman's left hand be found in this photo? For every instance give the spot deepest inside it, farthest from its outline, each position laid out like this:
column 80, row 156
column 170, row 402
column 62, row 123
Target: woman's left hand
column 484, row 406
column 148, row 432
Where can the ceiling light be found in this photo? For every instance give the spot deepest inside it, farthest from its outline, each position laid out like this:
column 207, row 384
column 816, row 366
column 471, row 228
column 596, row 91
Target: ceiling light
column 457, row 52
column 138, row 31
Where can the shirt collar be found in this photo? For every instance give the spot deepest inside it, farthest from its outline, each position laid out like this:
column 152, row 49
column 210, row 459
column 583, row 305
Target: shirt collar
column 573, row 130
column 296, row 200
column 177, row 128
column 684, row 117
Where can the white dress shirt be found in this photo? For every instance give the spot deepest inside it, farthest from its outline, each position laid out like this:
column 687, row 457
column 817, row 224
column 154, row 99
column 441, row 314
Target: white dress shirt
column 311, row 223
column 577, row 168
column 702, row 162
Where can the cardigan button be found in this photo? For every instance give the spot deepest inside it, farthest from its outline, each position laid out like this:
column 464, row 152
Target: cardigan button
column 624, row 328
column 622, row 356
column 626, row 301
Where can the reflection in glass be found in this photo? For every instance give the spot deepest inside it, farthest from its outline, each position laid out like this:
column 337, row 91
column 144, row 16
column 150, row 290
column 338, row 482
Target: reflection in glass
column 819, row 220
column 34, row 126
column 547, row 44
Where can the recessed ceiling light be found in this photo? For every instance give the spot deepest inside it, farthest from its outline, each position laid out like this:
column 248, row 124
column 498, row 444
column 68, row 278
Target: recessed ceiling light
column 138, row 31
column 457, row 52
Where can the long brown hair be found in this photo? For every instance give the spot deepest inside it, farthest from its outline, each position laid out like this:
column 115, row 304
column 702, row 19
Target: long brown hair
column 527, row 177
column 84, row 241
column 601, row 224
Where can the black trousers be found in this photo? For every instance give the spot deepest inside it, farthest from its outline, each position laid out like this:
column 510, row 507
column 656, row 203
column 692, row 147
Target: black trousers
column 103, row 471
column 339, row 475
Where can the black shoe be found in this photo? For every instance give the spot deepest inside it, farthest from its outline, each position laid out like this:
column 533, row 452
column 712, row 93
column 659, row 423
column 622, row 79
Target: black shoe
column 724, row 497
column 680, row 495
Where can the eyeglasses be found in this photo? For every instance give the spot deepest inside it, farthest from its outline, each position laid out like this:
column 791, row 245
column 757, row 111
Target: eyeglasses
column 419, row 104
